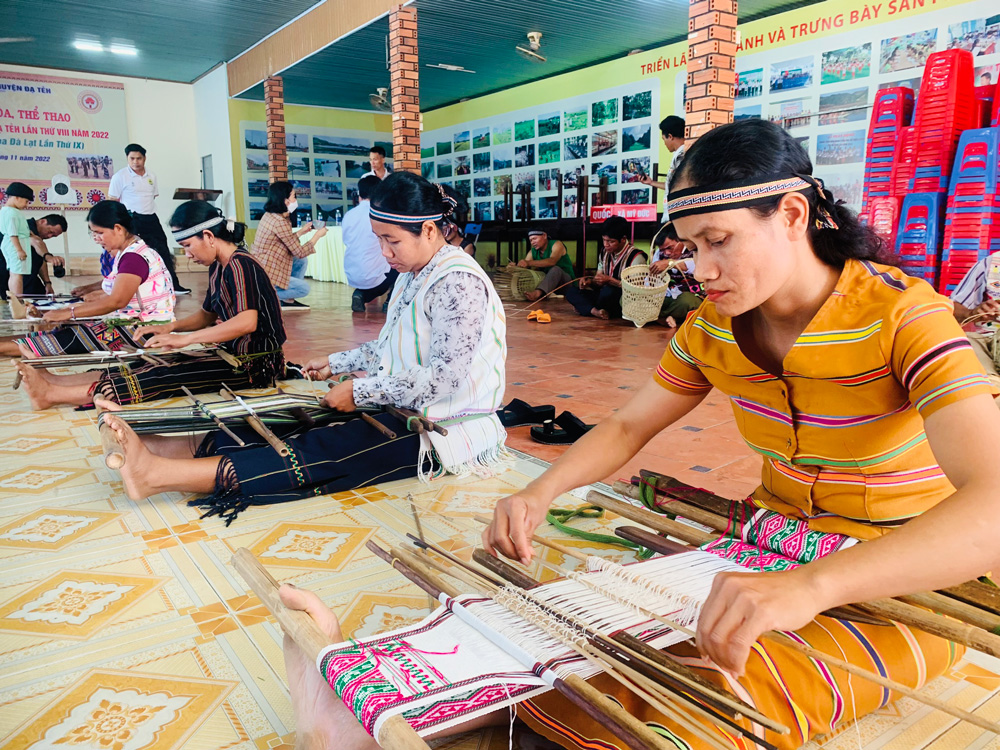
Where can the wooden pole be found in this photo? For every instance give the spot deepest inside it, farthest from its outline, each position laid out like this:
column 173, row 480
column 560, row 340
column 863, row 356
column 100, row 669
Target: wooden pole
column 114, row 456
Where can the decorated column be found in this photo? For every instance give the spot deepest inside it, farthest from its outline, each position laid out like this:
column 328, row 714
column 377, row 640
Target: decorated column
column 404, row 88
column 711, row 62
column 274, row 104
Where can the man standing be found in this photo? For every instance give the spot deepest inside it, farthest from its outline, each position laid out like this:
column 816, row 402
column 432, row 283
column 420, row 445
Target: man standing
column 37, row 280
column 376, row 156
column 136, row 187
column 365, row 267
column 672, row 132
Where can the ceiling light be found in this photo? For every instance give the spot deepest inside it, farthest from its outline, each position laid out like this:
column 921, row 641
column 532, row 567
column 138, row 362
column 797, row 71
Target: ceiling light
column 124, row 49
column 88, row 45
column 452, row 68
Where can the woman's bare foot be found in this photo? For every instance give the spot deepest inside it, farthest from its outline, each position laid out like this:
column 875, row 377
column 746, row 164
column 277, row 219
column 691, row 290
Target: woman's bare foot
column 140, row 464
column 36, row 386
column 321, row 718
column 599, row 313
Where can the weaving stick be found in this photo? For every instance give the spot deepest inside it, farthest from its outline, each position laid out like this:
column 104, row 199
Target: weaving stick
column 253, row 420
column 17, row 379
column 407, row 414
column 680, row 508
column 228, row 358
column 114, row 456
column 218, row 422
column 369, row 419
column 654, row 521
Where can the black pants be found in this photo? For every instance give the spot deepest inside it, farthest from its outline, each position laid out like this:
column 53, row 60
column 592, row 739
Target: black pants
column 367, row 295
column 147, row 226
column 606, row 297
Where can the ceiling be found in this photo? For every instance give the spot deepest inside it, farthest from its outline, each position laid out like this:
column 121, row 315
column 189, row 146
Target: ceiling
column 177, row 40
column 480, row 35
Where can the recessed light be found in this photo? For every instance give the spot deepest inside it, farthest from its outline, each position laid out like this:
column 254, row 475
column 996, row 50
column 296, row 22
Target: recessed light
column 124, row 49
column 88, row 45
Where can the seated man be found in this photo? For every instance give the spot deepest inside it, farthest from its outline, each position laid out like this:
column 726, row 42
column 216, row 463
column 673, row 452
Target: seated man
column 971, row 300
column 364, row 266
column 683, row 293
column 550, row 256
column 601, row 296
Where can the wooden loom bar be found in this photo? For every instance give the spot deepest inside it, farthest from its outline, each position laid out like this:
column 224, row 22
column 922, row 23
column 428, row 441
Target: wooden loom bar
column 114, row 456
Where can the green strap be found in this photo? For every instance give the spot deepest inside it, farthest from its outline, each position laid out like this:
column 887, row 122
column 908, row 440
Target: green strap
column 560, row 517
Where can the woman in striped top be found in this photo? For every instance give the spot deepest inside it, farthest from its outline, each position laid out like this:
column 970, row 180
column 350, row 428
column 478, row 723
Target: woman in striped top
column 873, row 419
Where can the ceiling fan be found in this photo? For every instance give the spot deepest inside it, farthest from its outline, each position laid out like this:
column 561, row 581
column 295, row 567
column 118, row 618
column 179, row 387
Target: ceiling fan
column 380, row 99
column 531, row 51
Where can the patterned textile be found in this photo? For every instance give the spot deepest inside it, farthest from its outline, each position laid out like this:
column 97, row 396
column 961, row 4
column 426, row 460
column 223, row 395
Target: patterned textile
column 154, row 299
column 841, row 431
column 275, row 245
column 82, row 338
column 613, row 265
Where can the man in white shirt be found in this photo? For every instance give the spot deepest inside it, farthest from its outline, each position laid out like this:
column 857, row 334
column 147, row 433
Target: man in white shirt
column 672, row 130
column 376, row 156
column 136, row 187
column 365, row 267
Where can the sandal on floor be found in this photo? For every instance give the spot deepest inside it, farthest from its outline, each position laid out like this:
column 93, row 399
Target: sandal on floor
column 533, row 315
column 518, row 413
column 566, row 429
column 543, row 317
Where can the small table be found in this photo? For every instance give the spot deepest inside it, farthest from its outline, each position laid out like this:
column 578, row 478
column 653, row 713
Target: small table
column 327, row 263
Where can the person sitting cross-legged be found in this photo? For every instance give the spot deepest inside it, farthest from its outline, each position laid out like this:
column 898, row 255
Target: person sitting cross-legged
column 601, row 296
column 684, row 293
column 547, row 255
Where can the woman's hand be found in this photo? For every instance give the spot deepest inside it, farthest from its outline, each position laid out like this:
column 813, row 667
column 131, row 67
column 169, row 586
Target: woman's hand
column 91, row 296
column 58, row 316
column 743, row 606
column 990, row 309
column 168, row 341
column 153, row 330
column 320, row 233
column 514, row 522
column 341, row 397
column 318, row 369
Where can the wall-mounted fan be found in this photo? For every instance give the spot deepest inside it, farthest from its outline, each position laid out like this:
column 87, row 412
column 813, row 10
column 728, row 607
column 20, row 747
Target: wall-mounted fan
column 380, row 100
column 531, row 50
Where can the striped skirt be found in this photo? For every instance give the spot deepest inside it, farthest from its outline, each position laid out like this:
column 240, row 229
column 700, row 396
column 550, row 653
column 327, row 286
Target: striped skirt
column 82, row 338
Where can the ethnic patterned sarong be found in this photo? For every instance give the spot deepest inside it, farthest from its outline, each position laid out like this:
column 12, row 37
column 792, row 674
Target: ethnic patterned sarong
column 111, row 335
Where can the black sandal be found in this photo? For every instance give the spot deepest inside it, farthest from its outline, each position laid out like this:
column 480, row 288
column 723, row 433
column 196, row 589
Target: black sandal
column 567, row 429
column 518, row 413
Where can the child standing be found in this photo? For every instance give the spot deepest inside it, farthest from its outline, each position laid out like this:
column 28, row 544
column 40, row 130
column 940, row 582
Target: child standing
column 16, row 237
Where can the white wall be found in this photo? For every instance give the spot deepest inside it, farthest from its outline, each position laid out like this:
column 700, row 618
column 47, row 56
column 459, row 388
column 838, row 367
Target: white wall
column 161, row 117
column 211, row 103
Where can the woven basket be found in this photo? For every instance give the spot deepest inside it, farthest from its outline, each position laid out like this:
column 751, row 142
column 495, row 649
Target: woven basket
column 524, row 280
column 642, row 294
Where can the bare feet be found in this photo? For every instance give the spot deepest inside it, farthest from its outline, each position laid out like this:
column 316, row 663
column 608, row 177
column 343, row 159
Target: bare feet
column 103, row 403
column 35, row 385
column 139, row 462
column 671, row 323
column 533, row 296
column 599, row 313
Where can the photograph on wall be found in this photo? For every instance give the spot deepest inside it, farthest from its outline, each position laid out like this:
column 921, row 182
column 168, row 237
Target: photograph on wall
column 804, row 142
column 750, row 83
column 481, row 187
column 427, row 169
column 480, row 137
column 844, row 186
column 255, row 139
column 501, row 134
column 257, row 188
column 988, row 75
column 524, row 180
column 326, row 189
column 604, row 142
column 328, row 211
column 462, row 141
column 747, row 112
column 91, row 166
column 298, row 165
column 548, row 208
column 387, row 146
column 326, row 167
column 549, row 152
column 575, row 147
column 604, row 112
column 426, row 152
column 548, row 179
column 519, row 206
column 907, row 51
column 847, row 64
column 503, row 158
column 464, row 188
column 909, row 83
column 636, row 137
column 571, row 176
column 355, row 169
column 481, row 162
column 548, row 124
column 792, row 113
column 524, row 130
column 499, row 211
column 462, row 166
column 352, row 194
column 607, row 169
column 841, row 148
column 635, row 196
column 255, row 163
column 569, row 206
column 303, row 189
column 296, row 142
column 575, row 120
column 637, row 106
column 337, row 144
column 443, row 168
column 850, row 105
column 524, row 156
column 443, row 147
column 979, row 36
column 635, row 168
column 501, row 182
column 792, row 74
column 256, row 210
column 484, row 211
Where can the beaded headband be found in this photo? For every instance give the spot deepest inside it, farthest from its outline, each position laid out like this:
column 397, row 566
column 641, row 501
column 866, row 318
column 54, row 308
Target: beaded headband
column 183, row 234
column 727, row 196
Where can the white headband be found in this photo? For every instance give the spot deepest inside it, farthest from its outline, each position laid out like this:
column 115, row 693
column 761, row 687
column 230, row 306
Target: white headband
column 182, row 234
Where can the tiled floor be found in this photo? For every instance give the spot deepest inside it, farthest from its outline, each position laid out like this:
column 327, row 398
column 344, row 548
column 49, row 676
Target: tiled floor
column 123, row 626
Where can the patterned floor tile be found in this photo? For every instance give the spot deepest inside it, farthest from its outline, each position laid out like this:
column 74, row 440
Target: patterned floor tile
column 53, row 528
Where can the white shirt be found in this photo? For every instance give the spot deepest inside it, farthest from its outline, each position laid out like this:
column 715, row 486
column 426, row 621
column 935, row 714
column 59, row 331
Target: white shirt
column 387, row 168
column 675, row 161
column 137, row 192
column 364, row 265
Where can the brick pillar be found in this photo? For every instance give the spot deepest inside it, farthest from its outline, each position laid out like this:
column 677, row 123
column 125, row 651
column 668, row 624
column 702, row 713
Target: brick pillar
column 274, row 104
column 404, row 88
column 711, row 57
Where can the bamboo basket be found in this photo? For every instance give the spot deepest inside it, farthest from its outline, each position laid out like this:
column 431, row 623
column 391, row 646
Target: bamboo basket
column 524, row 280
column 642, row 294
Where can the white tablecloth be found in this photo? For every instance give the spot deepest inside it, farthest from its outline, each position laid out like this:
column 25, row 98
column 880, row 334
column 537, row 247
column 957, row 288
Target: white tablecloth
column 327, row 263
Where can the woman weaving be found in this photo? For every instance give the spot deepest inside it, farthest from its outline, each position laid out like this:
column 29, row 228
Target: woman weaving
column 136, row 289
column 442, row 351
column 240, row 313
column 858, row 389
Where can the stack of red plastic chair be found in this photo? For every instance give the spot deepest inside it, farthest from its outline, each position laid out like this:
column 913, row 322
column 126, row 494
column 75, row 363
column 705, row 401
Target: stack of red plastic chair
column 995, row 117
column 903, row 161
column 947, row 106
column 984, row 105
column 972, row 221
column 891, row 113
column 883, row 216
column 918, row 239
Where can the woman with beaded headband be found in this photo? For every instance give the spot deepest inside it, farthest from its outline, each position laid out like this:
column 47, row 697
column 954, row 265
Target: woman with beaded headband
column 857, row 388
column 441, row 352
column 240, row 313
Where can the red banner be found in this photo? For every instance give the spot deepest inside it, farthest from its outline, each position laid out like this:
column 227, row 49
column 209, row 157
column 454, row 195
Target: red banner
column 642, row 212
